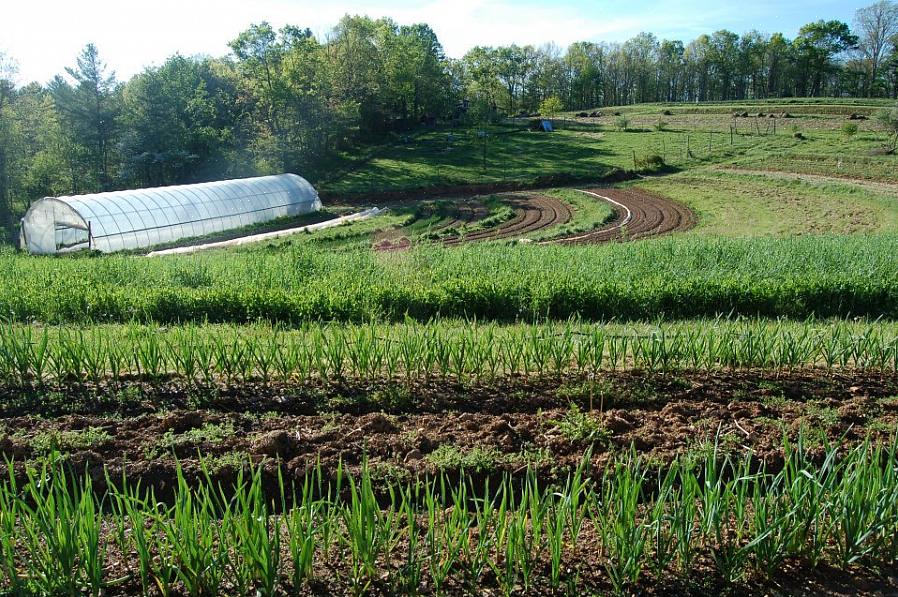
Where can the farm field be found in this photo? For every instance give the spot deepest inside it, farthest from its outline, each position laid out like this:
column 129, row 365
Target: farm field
column 683, row 380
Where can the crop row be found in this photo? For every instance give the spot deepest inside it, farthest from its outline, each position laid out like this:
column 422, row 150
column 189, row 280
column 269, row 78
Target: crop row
column 57, row 536
column 205, row 354
column 677, row 277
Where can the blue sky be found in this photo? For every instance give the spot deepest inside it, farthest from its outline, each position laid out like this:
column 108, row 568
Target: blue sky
column 44, row 36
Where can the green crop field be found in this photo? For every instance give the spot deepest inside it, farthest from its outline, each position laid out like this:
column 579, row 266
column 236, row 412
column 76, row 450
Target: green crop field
column 682, row 380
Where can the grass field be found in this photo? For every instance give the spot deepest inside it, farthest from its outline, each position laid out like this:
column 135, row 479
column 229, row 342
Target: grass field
column 448, row 399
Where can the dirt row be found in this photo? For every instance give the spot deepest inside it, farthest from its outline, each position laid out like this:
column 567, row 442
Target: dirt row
column 532, row 213
column 405, row 430
column 650, row 215
column 637, row 214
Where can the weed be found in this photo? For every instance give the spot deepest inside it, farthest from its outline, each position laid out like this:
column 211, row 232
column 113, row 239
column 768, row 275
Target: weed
column 45, row 442
column 580, row 426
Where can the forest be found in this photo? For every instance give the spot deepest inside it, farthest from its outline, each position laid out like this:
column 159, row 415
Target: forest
column 284, row 100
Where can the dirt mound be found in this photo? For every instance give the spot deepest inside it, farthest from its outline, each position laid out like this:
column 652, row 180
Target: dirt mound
column 638, row 214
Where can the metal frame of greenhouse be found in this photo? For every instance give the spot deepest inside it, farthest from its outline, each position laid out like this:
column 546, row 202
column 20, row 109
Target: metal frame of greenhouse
column 135, row 219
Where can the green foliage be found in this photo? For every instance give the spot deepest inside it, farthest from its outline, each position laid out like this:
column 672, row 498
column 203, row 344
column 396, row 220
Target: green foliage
column 551, row 106
column 580, row 426
column 849, row 129
column 46, row 442
column 888, row 120
column 683, row 277
column 477, row 460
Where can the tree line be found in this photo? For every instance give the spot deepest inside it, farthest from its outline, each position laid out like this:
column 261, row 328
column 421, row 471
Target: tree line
column 284, row 100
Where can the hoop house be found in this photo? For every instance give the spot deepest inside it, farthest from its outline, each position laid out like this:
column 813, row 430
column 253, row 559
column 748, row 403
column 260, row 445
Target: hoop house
column 140, row 218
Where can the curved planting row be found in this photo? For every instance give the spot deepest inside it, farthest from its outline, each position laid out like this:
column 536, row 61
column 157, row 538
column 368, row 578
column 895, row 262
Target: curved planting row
column 532, row 213
column 637, row 214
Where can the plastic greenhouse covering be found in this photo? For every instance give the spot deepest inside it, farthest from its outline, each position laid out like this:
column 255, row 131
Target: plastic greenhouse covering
column 122, row 220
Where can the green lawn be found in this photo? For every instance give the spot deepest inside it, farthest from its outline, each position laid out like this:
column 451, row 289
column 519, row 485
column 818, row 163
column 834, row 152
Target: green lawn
column 744, row 204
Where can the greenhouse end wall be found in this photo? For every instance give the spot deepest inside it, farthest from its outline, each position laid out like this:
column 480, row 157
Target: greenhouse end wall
column 136, row 219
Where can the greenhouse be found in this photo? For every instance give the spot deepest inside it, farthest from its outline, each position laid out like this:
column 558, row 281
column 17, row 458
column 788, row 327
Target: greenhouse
column 135, row 219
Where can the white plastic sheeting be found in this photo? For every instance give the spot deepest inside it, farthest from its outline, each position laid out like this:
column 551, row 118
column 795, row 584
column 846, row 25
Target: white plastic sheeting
column 141, row 218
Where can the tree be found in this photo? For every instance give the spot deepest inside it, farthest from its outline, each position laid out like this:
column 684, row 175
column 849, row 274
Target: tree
column 287, row 91
column 890, row 69
column 583, row 62
column 89, row 109
column 816, row 47
column 877, row 25
column 7, row 93
column 723, row 58
column 888, row 119
column 670, row 70
column 178, row 126
column 551, row 106
column 481, row 72
column 639, row 56
column 777, row 58
column 513, row 65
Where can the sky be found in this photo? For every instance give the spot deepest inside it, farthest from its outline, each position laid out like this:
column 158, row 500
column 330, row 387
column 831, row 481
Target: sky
column 43, row 36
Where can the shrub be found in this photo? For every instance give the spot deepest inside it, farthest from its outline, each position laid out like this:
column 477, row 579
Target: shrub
column 622, row 123
column 888, row 119
column 849, row 129
column 551, row 106
column 650, row 162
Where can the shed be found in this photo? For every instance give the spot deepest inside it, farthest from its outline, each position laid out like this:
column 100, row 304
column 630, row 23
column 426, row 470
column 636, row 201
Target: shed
column 135, row 219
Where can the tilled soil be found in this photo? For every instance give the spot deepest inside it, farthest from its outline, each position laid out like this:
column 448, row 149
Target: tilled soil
column 405, row 429
column 532, row 213
column 650, row 215
column 465, row 211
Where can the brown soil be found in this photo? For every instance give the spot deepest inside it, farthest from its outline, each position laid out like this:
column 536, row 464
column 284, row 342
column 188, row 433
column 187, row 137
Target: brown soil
column 465, row 211
column 650, row 215
column 398, row 425
column 532, row 213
